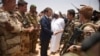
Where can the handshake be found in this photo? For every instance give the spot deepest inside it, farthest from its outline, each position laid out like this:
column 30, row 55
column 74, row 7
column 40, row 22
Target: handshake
column 56, row 32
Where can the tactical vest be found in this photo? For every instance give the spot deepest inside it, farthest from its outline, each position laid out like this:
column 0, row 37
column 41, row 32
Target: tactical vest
column 68, row 30
column 83, row 35
column 90, row 25
column 25, row 41
column 23, row 19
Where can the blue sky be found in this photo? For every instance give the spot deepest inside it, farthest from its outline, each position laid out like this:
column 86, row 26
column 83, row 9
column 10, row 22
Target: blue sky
column 61, row 5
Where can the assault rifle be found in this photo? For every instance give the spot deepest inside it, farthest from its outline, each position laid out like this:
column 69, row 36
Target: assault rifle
column 77, row 33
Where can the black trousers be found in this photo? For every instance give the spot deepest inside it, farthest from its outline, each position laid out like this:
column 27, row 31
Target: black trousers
column 44, row 47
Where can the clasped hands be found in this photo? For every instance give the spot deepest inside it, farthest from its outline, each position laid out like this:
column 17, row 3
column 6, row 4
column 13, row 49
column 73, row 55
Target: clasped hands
column 56, row 32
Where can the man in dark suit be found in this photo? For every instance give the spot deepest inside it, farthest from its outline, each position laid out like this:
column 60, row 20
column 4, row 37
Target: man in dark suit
column 45, row 33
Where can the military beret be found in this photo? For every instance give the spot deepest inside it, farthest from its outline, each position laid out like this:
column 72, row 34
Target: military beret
column 33, row 5
column 91, row 41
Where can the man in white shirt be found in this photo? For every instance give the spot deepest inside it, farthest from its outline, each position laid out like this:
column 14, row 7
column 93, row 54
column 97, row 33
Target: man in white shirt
column 57, row 25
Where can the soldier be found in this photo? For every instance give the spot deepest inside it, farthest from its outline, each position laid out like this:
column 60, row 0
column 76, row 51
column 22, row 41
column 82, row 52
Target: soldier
column 87, row 26
column 70, row 23
column 26, row 24
column 10, row 29
column 32, row 14
column 69, row 26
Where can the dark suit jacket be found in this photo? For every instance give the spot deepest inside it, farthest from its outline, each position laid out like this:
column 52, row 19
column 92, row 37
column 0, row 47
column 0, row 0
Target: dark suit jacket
column 45, row 32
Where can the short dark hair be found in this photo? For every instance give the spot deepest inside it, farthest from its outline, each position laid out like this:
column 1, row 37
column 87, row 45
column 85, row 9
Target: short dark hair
column 72, row 12
column 21, row 3
column 47, row 9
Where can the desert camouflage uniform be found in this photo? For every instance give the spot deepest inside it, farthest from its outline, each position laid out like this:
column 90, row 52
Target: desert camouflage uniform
column 10, row 29
column 34, row 35
column 68, row 31
column 25, row 40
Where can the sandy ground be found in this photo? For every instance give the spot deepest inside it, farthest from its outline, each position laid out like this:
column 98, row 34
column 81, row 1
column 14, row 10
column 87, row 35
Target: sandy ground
column 38, row 48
